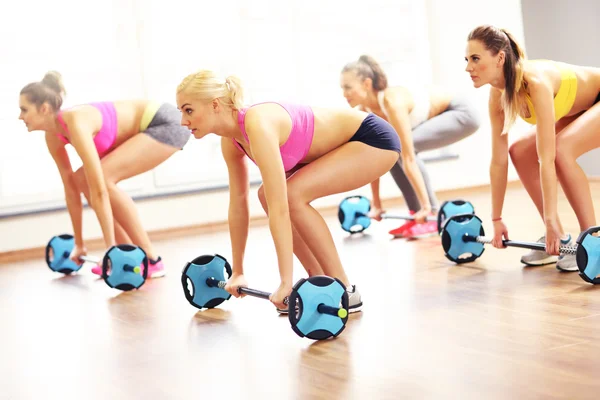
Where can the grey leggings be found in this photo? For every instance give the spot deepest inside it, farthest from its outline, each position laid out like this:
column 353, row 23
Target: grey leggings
column 456, row 123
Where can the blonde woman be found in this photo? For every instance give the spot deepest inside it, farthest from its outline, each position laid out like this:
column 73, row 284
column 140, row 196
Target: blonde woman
column 303, row 153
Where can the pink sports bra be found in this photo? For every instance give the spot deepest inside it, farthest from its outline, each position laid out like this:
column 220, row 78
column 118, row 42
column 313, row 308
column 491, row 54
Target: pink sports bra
column 298, row 143
column 107, row 134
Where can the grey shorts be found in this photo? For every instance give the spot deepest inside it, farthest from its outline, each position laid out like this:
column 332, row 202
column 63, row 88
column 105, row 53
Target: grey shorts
column 166, row 127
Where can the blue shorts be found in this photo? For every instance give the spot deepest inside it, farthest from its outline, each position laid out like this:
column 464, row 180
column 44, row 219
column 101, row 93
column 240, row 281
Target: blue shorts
column 377, row 132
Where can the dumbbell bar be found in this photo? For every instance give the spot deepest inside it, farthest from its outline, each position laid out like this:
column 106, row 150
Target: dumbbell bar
column 464, row 235
column 322, row 308
column 91, row 259
column 120, row 265
column 316, row 315
column 353, row 213
column 524, row 245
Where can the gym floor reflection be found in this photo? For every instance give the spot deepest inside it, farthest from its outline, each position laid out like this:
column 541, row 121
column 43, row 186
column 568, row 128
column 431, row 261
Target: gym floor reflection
column 430, row 329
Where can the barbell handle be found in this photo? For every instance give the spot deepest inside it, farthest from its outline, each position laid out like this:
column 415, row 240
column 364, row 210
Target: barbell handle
column 91, row 259
column 129, row 268
column 212, row 282
column 515, row 243
column 322, row 308
column 405, row 218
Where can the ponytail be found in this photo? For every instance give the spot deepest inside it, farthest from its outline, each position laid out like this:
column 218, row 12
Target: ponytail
column 49, row 90
column 513, row 75
column 235, row 91
column 496, row 40
column 206, row 85
column 366, row 67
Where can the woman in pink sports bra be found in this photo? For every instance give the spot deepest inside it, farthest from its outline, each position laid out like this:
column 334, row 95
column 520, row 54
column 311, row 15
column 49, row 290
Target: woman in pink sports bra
column 303, row 153
column 106, row 138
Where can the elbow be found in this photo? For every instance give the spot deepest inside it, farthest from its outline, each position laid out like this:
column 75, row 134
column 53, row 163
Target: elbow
column 279, row 210
column 99, row 195
column 408, row 159
column 499, row 161
column 548, row 164
column 547, row 159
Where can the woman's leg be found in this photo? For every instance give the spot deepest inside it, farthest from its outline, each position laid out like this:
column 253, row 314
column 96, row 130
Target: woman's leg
column 523, row 154
column 459, row 121
column 120, row 235
column 141, row 153
column 349, row 167
column 406, row 188
column 137, row 155
column 576, row 139
column 301, row 250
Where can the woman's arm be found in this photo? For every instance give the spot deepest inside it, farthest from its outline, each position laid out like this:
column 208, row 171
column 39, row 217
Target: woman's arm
column 72, row 195
column 499, row 162
column 542, row 98
column 263, row 129
column 81, row 137
column 397, row 108
column 238, row 202
column 375, row 193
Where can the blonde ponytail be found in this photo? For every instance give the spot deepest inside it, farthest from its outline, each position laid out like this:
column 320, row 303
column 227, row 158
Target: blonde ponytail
column 205, row 85
column 236, row 91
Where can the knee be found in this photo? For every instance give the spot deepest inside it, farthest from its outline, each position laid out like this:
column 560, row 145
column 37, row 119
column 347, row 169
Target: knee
column 472, row 120
column 296, row 199
column 111, row 187
column 521, row 149
column 262, row 198
column 80, row 181
column 109, row 179
column 564, row 156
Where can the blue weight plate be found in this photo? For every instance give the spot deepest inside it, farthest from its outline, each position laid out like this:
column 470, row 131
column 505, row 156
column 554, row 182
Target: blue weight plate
column 196, row 272
column 117, row 266
column 307, row 294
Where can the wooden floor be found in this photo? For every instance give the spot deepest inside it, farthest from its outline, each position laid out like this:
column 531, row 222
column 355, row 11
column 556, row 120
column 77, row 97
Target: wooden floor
column 430, row 329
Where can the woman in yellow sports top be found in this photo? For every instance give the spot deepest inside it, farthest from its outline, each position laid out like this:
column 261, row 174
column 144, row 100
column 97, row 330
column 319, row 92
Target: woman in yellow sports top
column 561, row 100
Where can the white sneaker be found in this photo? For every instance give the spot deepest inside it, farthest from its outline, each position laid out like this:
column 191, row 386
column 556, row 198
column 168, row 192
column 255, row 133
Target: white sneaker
column 536, row 258
column 354, row 299
column 567, row 262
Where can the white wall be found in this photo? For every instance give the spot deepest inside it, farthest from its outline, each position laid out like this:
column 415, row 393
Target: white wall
column 289, row 50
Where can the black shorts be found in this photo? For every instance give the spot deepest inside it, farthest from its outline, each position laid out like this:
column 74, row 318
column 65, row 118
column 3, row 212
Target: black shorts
column 377, row 132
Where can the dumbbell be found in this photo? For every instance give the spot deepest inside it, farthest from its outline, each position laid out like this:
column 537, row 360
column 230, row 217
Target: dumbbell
column 353, row 213
column 321, row 302
column 120, row 265
column 464, row 235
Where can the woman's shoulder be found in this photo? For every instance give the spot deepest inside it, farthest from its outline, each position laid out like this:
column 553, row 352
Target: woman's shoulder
column 538, row 70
